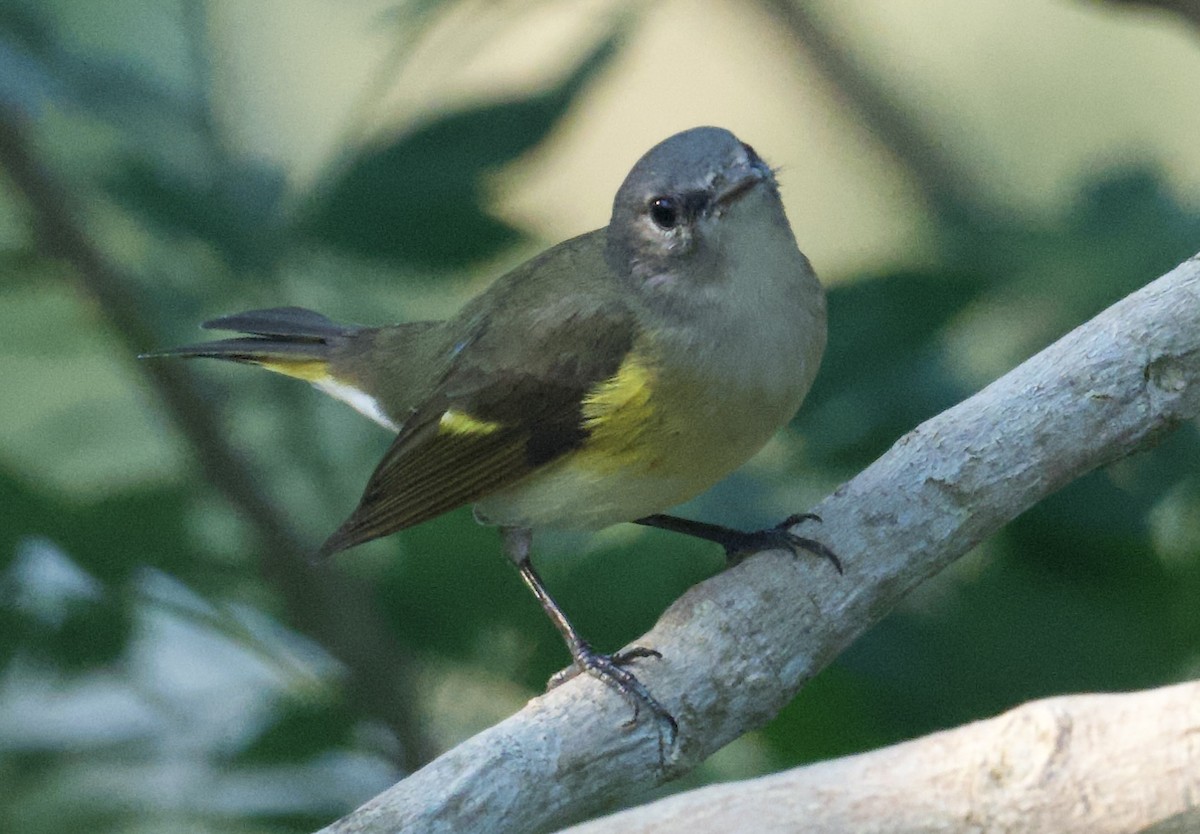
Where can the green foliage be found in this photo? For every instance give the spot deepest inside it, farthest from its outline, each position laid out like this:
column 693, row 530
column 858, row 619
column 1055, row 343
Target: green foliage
column 859, row 405
column 40, row 66
column 142, row 642
column 300, row 729
column 237, row 212
column 417, row 199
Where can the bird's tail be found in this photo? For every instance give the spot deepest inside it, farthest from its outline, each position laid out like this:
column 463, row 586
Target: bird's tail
column 288, row 340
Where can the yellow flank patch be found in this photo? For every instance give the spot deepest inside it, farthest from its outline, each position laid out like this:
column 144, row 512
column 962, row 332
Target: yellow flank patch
column 623, row 397
column 310, row 370
column 626, row 428
column 458, row 422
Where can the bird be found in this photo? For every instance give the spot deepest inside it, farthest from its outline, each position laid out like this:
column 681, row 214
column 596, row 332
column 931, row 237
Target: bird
column 606, row 380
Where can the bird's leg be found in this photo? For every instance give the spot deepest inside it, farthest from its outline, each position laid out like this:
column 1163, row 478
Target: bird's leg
column 609, row 669
column 739, row 544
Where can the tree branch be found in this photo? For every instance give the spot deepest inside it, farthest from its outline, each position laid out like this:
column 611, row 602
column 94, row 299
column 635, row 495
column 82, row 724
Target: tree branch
column 1080, row 764
column 737, row 647
column 1189, row 10
column 950, row 188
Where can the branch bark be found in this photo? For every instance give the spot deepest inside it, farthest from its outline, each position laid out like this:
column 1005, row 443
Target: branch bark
column 1080, row 764
column 737, row 647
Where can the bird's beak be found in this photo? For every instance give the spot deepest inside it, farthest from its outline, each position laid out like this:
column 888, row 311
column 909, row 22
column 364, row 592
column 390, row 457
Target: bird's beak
column 739, row 186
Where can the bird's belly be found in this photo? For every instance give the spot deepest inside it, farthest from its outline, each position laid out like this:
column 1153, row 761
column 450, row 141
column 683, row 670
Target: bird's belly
column 651, row 447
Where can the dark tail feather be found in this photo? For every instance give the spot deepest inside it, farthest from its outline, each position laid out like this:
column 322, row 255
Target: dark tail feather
column 281, row 322
column 286, row 340
column 255, row 349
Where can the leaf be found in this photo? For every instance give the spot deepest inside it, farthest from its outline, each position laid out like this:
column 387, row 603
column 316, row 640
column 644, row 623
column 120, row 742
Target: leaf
column 883, row 370
column 237, row 213
column 26, row 82
column 300, row 730
column 38, row 67
column 417, row 200
column 109, row 541
column 93, row 634
column 452, row 582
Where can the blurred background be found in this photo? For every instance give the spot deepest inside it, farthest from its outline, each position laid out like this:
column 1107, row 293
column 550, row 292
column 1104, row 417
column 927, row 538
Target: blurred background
column 971, row 180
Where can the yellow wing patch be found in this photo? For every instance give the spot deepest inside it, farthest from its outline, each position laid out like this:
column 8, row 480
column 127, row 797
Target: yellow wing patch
column 459, row 422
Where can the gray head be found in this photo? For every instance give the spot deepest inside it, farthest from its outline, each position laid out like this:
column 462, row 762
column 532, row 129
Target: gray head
column 668, row 217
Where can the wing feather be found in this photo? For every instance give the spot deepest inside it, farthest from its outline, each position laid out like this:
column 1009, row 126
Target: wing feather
column 486, row 428
column 419, row 479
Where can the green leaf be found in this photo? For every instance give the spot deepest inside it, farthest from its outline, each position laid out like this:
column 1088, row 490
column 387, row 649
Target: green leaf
column 26, row 82
column 417, row 200
column 110, row 541
column 883, row 370
column 836, row 714
column 38, row 67
column 300, row 730
column 237, row 213
column 452, row 582
column 94, row 633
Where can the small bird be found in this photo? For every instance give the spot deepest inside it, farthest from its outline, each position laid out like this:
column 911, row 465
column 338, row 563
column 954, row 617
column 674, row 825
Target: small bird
column 606, row 380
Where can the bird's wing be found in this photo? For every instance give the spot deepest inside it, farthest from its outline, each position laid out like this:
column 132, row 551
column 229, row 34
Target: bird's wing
column 510, row 402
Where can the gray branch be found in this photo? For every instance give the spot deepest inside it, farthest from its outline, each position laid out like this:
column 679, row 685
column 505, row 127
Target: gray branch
column 737, row 647
column 1079, row 764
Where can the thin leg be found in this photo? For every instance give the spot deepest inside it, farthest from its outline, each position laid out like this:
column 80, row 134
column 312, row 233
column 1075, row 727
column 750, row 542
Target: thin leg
column 739, row 544
column 609, row 669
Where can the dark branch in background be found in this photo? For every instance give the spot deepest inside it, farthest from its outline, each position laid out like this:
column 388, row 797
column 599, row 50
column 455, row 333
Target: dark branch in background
column 1189, row 10
column 195, row 29
column 950, row 188
column 331, row 608
column 298, row 431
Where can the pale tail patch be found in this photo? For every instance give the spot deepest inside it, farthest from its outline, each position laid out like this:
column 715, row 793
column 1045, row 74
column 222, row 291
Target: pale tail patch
column 360, row 401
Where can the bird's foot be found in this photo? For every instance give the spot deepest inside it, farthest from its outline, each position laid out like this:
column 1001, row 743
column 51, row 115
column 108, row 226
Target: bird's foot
column 739, row 544
column 610, row 670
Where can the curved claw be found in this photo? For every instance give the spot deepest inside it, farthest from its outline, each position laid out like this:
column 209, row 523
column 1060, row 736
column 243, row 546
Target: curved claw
column 816, row 548
column 589, row 654
column 635, row 653
column 609, row 670
column 797, row 518
column 780, row 536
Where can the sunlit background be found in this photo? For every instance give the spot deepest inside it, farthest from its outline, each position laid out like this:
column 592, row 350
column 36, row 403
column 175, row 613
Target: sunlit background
column 971, row 180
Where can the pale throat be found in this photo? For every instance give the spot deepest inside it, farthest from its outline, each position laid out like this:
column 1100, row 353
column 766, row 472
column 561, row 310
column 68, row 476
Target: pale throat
column 760, row 324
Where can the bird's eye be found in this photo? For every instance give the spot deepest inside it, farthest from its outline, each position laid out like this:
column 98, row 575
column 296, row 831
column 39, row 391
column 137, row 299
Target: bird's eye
column 664, row 213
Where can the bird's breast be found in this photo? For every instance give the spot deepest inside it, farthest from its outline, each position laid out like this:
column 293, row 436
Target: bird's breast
column 656, row 437
column 716, row 371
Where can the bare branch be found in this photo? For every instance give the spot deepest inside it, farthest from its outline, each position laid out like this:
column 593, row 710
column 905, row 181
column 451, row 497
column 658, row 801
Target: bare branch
column 1189, row 10
column 950, row 187
column 1080, row 764
column 737, row 647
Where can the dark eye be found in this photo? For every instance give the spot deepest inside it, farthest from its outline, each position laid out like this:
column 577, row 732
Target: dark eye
column 664, row 213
